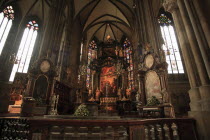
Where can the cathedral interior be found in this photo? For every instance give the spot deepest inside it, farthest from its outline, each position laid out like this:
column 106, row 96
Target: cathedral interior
column 104, row 69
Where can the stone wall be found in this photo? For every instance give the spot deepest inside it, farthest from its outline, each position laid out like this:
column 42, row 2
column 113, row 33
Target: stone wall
column 180, row 97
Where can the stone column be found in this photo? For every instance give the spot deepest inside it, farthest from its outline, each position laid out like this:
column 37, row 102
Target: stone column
column 199, row 93
column 199, row 35
column 171, row 6
column 203, row 20
column 193, row 44
column 205, row 87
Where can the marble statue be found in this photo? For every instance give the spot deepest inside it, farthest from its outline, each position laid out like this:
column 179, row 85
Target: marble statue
column 138, row 97
column 165, row 97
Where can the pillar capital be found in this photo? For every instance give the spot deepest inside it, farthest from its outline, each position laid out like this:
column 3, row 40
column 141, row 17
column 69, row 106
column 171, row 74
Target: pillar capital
column 170, row 5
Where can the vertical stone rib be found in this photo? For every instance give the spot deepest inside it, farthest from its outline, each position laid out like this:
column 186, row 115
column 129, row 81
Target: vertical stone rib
column 203, row 21
column 51, row 28
column 194, row 45
column 171, row 6
column 201, row 43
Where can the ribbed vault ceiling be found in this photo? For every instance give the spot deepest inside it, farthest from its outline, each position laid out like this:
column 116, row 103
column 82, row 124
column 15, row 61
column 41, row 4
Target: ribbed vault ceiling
column 101, row 18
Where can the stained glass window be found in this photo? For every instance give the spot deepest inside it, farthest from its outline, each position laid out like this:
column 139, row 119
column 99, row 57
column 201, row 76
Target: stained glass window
column 6, row 18
column 92, row 54
column 170, row 46
column 25, row 49
column 128, row 57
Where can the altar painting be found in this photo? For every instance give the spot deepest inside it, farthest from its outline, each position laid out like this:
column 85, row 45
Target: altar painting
column 108, row 79
column 153, row 85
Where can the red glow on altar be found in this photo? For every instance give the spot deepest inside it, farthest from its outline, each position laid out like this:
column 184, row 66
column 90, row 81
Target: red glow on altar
column 108, row 77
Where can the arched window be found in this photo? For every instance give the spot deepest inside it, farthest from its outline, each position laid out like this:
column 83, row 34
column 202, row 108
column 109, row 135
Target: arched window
column 173, row 57
column 92, row 54
column 6, row 18
column 128, row 57
column 81, row 50
column 25, row 49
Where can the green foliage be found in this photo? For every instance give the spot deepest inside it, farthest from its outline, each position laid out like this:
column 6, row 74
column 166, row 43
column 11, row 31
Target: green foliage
column 82, row 111
column 153, row 101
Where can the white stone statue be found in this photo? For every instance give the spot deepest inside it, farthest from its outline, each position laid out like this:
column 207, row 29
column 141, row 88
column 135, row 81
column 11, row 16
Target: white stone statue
column 138, row 97
column 165, row 96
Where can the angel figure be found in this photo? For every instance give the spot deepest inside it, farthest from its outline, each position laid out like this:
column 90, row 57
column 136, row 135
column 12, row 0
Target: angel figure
column 165, row 96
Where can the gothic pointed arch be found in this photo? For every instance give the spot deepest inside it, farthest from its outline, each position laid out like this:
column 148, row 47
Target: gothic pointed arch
column 25, row 50
column 171, row 45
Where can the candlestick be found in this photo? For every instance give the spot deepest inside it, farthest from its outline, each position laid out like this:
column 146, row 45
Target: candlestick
column 106, row 89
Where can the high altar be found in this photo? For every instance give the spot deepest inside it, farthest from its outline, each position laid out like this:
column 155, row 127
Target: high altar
column 117, row 89
column 115, row 84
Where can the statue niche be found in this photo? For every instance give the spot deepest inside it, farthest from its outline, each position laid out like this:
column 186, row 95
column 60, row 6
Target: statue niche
column 40, row 89
column 40, row 85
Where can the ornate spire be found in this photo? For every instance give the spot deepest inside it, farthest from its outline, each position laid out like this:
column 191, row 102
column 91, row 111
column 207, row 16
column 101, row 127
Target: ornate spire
column 170, row 5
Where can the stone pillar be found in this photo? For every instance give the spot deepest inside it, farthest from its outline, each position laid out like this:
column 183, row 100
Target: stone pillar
column 193, row 44
column 203, row 20
column 199, row 36
column 171, row 6
column 205, row 87
column 199, row 93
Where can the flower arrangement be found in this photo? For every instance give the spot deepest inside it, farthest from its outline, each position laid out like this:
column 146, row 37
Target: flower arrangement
column 82, row 111
column 153, row 101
